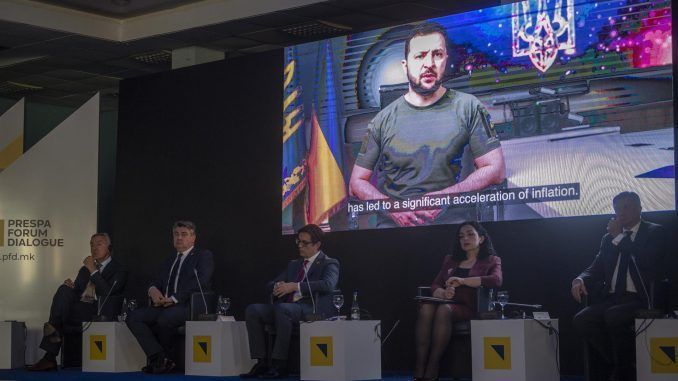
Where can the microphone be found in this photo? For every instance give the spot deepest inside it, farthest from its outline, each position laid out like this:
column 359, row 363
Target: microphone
column 206, row 316
column 314, row 316
column 99, row 317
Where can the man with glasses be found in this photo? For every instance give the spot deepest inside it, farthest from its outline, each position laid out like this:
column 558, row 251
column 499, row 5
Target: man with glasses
column 170, row 296
column 304, row 288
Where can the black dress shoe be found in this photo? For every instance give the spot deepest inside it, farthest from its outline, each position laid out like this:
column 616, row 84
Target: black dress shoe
column 274, row 372
column 258, row 369
column 44, row 365
column 162, row 366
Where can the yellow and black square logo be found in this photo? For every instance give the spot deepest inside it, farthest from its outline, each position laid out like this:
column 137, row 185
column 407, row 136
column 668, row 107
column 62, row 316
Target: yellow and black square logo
column 497, row 352
column 97, row 347
column 664, row 355
column 2, row 232
column 321, row 351
column 202, row 348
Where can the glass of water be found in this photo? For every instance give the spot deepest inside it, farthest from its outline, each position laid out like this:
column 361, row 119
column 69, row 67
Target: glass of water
column 338, row 301
column 223, row 304
column 502, row 299
column 131, row 305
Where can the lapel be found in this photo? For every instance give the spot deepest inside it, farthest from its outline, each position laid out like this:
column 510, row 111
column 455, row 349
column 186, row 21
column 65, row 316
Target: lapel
column 190, row 258
column 315, row 265
column 641, row 237
column 110, row 267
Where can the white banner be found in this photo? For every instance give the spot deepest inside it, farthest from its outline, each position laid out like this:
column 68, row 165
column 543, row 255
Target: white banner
column 48, row 211
column 11, row 134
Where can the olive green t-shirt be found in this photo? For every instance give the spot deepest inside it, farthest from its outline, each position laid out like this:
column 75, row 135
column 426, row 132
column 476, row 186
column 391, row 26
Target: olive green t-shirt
column 416, row 150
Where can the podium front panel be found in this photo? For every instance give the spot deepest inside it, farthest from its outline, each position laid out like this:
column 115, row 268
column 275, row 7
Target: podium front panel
column 657, row 350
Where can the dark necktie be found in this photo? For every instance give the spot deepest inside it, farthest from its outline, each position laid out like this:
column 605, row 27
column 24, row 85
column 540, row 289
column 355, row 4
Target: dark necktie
column 302, row 271
column 624, row 258
column 300, row 277
column 173, row 276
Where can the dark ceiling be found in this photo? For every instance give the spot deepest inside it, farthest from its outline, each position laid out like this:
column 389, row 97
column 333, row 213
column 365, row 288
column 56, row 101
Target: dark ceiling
column 48, row 66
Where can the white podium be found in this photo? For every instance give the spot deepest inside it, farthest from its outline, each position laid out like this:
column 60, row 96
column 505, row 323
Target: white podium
column 110, row 347
column 340, row 350
column 12, row 348
column 217, row 348
column 514, row 349
column 657, row 350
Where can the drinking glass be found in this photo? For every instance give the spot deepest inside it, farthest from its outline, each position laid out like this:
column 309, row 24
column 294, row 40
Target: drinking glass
column 338, row 301
column 502, row 299
column 223, row 304
column 131, row 305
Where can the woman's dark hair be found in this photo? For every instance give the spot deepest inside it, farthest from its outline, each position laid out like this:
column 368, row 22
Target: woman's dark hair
column 486, row 249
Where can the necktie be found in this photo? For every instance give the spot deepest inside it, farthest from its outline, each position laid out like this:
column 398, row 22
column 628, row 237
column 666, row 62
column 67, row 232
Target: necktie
column 302, row 271
column 624, row 257
column 300, row 277
column 173, row 276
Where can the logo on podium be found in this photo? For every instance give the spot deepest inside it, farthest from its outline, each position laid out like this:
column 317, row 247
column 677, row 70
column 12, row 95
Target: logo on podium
column 202, row 348
column 664, row 355
column 321, row 351
column 497, row 352
column 97, row 347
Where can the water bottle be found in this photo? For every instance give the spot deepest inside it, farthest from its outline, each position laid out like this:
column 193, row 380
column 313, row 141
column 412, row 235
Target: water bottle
column 355, row 308
column 490, row 300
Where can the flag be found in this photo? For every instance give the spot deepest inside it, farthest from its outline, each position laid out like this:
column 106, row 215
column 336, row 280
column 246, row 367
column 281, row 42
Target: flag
column 326, row 187
column 294, row 139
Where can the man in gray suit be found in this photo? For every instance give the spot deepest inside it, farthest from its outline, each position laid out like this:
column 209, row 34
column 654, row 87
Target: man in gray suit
column 305, row 287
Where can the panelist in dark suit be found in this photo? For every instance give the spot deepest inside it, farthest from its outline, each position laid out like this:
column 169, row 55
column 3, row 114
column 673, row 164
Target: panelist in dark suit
column 307, row 281
column 170, row 296
column 630, row 260
column 77, row 301
column 473, row 263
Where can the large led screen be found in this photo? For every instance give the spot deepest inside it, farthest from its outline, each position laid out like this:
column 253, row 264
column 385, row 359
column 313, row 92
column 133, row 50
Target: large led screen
column 536, row 109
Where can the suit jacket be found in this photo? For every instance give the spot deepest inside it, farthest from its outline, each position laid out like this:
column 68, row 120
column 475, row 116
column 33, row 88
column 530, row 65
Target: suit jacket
column 488, row 269
column 198, row 259
column 323, row 276
column 113, row 273
column 648, row 250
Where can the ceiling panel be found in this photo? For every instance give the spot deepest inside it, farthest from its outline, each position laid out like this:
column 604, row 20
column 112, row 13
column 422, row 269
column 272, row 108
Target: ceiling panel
column 75, row 66
column 119, row 8
column 42, row 80
column 404, row 11
column 234, row 43
column 277, row 19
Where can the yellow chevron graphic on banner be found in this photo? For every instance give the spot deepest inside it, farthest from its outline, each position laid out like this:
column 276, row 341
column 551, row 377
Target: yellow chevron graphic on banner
column 11, row 152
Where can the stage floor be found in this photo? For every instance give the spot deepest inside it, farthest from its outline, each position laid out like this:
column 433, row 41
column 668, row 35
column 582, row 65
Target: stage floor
column 76, row 374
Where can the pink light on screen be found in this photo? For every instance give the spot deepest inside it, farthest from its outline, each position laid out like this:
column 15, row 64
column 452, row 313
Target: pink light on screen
column 651, row 45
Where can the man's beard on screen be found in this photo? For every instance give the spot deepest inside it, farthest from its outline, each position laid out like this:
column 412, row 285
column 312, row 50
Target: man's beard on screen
column 418, row 87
